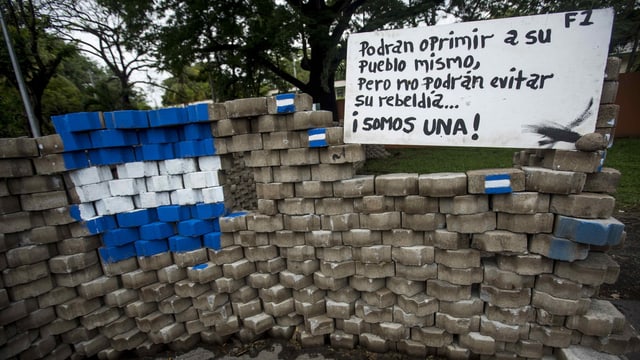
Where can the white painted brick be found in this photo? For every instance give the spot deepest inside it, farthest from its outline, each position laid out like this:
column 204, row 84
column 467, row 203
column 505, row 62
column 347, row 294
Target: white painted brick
column 86, row 210
column 164, row 183
column 114, row 205
column 178, row 166
column 194, row 180
column 127, row 187
column 152, row 199
column 209, row 163
column 213, row 194
column 186, row 197
column 93, row 192
column 137, row 169
column 90, row 175
column 201, row 179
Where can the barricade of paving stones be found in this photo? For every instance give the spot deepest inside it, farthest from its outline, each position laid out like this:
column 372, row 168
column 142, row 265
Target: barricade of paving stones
column 105, row 250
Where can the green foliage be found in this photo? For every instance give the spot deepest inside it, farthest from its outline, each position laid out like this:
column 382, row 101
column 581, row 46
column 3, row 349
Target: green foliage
column 189, row 86
column 39, row 53
column 106, row 37
column 626, row 26
column 78, row 85
column 13, row 121
column 247, row 44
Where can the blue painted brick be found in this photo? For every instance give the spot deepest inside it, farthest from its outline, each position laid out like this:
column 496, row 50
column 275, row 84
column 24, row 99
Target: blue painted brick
column 137, row 151
column 212, row 240
column 120, row 236
column 285, row 103
column 200, row 266
column 75, row 141
column 186, row 149
column 197, row 131
column 152, row 152
column 76, row 211
column 113, row 138
column 237, row 214
column 162, row 135
column 195, row 148
column 60, row 123
column 151, row 247
column 111, row 156
column 81, row 121
column 126, row 119
column 563, row 249
column 75, row 160
column 174, row 213
column 194, row 227
column 207, row 211
column 117, row 253
column 497, row 184
column 137, row 218
column 317, row 137
column 198, row 112
column 100, row 224
column 156, row 230
column 207, row 147
column 168, row 116
column 589, row 231
column 181, row 243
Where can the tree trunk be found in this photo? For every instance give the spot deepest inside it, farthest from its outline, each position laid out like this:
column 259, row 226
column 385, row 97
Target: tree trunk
column 324, row 94
column 321, row 78
column 125, row 90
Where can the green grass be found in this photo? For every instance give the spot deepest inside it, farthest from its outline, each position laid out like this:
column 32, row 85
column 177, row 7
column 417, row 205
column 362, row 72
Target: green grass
column 428, row 160
column 434, row 159
column 623, row 156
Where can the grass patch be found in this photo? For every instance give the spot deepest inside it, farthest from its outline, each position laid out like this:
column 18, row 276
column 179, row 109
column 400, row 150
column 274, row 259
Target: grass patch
column 434, row 159
column 623, row 156
column 426, row 160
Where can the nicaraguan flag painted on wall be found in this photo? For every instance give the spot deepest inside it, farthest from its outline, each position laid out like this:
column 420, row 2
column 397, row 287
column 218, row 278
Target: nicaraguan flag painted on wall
column 147, row 181
column 285, row 103
column 317, row 137
column 497, row 184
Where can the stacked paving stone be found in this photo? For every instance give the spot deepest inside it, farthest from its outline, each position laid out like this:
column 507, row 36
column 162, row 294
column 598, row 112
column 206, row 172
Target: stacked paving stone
column 155, row 213
column 242, row 187
column 124, row 239
column 40, row 259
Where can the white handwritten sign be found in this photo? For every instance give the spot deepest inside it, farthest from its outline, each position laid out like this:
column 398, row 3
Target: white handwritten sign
column 527, row 82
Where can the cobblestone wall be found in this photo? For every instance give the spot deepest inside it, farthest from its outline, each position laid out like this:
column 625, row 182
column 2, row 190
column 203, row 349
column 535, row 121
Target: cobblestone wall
column 133, row 243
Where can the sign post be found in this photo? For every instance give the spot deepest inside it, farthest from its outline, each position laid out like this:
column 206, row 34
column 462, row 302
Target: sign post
column 526, row 82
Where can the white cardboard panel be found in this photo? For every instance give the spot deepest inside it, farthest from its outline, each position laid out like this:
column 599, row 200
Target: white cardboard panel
column 525, row 82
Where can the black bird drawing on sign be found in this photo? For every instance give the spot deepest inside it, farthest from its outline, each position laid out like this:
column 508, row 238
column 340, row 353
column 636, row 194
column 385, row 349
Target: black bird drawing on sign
column 553, row 132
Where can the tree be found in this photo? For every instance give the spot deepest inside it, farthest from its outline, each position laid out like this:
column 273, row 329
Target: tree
column 246, row 41
column 39, row 53
column 626, row 26
column 189, row 85
column 102, row 33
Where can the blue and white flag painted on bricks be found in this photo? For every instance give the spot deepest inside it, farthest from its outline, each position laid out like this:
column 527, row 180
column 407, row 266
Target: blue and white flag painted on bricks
column 145, row 188
column 497, row 184
column 285, row 103
column 317, row 137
